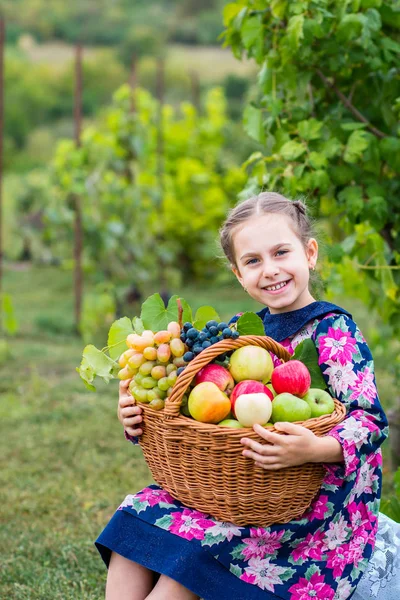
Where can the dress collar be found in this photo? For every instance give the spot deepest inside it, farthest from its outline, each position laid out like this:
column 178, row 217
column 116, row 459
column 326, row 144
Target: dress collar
column 283, row 325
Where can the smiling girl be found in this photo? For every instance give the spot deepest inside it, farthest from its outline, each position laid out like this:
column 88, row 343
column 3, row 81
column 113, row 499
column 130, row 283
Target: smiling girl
column 157, row 548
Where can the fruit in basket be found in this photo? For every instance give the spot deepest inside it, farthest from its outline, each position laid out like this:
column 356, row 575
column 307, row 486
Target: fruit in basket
column 320, row 402
column 233, row 423
column 251, row 362
column 253, row 408
column 292, row 377
column 271, row 389
column 208, row 404
column 287, row 407
column 174, row 329
column 248, row 386
column 218, row 375
column 198, row 340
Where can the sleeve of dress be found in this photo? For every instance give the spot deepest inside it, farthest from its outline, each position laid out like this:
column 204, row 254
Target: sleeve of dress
column 348, row 369
column 131, row 438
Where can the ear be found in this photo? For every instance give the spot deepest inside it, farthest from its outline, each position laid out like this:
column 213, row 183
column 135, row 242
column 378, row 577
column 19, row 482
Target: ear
column 312, row 252
column 235, row 271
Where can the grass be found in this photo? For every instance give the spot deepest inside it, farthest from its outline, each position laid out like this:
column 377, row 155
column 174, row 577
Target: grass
column 65, row 464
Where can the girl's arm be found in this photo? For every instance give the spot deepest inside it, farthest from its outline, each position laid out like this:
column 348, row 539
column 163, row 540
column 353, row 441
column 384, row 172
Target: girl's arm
column 347, row 366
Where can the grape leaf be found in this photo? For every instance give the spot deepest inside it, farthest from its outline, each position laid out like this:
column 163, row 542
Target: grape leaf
column 156, row 317
column 137, row 325
column 96, row 364
column 172, row 310
column 203, row 315
column 250, row 324
column 117, row 335
column 306, row 352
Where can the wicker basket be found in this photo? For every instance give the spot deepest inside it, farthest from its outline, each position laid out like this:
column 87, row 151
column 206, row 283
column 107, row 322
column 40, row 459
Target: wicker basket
column 202, row 464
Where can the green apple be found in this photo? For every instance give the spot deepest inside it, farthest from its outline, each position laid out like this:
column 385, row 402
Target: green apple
column 286, row 407
column 320, row 402
column 230, row 423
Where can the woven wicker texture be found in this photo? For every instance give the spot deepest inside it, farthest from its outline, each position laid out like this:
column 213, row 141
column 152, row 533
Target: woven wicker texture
column 202, row 465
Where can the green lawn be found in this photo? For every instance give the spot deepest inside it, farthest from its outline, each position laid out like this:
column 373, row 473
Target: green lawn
column 65, row 464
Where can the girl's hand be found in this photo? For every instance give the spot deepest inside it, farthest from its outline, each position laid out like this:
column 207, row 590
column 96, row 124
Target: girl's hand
column 298, row 447
column 129, row 414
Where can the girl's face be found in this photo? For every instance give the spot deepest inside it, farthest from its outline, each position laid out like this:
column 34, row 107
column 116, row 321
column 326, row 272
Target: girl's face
column 272, row 263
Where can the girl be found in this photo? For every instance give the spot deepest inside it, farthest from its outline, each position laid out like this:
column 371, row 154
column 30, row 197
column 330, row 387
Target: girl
column 157, row 548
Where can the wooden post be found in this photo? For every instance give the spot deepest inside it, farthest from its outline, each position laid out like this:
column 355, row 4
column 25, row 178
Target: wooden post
column 160, row 91
column 78, row 228
column 2, row 44
column 195, row 89
column 133, row 81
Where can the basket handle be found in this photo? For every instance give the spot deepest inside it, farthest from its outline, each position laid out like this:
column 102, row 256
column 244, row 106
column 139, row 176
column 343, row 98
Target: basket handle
column 173, row 403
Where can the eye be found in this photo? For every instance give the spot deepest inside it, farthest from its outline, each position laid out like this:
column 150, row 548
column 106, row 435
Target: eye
column 281, row 252
column 252, row 261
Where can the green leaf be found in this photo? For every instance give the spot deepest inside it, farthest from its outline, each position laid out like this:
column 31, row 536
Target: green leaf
column 307, row 353
column 10, row 322
column 292, row 150
column 295, row 31
column 96, row 364
column 352, row 197
column 156, row 317
column 153, row 313
column 250, row 324
column 253, row 123
column 356, row 145
column 172, row 310
column 310, row 129
column 278, row 8
column 117, row 335
column 138, row 326
column 252, row 31
column 204, row 314
column 352, row 125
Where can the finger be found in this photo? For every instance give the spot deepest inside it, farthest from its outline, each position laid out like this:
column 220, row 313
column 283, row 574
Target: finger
column 126, row 401
column 273, row 467
column 257, row 447
column 134, row 409
column 133, row 432
column 131, row 421
column 269, row 436
column 123, row 384
column 290, row 428
column 261, row 458
column 130, row 411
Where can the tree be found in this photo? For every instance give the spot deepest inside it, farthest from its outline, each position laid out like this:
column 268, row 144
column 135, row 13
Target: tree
column 326, row 116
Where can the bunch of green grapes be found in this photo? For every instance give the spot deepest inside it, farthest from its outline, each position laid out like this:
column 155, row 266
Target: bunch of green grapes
column 151, row 363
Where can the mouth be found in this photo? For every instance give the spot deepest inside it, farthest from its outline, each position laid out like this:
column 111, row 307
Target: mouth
column 276, row 288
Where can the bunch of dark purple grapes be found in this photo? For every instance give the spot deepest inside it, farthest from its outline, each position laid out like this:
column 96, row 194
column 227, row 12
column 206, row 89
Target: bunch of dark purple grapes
column 198, row 340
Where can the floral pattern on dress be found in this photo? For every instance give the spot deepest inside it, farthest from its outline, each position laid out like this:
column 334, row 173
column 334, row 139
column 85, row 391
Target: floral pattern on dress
column 324, row 553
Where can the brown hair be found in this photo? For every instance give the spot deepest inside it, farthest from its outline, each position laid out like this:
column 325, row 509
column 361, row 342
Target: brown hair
column 265, row 203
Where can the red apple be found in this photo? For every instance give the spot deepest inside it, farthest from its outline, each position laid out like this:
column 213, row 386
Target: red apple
column 248, row 386
column 292, row 377
column 218, row 375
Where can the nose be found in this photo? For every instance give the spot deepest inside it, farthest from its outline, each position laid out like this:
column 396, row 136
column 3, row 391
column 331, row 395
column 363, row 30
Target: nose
column 270, row 268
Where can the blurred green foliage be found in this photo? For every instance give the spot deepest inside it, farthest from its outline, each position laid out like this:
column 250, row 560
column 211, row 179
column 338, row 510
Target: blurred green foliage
column 102, row 22
column 327, row 127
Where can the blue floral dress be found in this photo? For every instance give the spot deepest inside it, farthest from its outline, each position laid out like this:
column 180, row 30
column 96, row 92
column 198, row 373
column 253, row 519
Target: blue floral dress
column 321, row 555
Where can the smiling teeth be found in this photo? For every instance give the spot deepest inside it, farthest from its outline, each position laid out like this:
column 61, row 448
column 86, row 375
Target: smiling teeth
column 272, row 288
